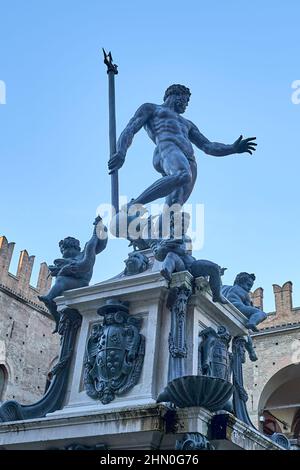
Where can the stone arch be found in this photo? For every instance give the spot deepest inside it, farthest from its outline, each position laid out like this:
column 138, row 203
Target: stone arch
column 3, row 380
column 280, row 397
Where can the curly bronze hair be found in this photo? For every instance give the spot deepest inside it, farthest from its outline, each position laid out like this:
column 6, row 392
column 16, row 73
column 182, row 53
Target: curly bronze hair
column 241, row 277
column 176, row 89
column 70, row 242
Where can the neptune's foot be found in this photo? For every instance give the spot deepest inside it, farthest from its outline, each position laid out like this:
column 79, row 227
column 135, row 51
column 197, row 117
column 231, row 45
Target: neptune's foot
column 252, row 327
column 44, row 299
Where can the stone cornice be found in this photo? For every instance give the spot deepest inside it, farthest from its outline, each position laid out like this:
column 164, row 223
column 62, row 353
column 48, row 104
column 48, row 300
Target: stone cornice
column 25, row 300
column 277, row 329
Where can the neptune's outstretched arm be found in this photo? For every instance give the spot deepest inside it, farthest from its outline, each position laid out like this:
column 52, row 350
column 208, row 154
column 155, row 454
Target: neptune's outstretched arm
column 218, row 149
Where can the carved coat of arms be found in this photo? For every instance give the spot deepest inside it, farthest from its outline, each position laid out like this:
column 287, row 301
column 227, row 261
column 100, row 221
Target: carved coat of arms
column 114, row 353
column 214, row 357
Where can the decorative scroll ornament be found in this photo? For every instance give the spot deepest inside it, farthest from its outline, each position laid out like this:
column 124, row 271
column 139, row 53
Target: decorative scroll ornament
column 194, row 441
column 114, row 354
column 281, row 439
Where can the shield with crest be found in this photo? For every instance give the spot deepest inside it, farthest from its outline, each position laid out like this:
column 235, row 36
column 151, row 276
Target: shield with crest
column 114, row 353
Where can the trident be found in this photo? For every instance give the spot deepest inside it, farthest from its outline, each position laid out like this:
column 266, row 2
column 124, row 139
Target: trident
column 112, row 70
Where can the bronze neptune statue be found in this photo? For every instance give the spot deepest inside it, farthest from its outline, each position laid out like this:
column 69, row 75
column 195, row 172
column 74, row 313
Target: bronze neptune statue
column 173, row 137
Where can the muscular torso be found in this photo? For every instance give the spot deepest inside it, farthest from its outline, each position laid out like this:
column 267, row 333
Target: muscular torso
column 167, row 128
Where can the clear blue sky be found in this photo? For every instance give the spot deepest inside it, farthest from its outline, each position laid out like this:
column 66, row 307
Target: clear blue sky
column 238, row 57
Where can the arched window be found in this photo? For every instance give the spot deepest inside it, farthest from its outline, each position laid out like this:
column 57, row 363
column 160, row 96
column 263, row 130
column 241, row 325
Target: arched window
column 279, row 401
column 3, row 380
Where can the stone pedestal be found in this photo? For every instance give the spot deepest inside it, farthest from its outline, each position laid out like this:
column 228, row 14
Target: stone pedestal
column 147, row 296
column 146, row 427
column 134, row 420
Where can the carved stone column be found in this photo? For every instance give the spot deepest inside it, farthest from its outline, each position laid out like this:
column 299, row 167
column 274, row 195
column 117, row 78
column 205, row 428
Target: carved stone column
column 240, row 397
column 177, row 304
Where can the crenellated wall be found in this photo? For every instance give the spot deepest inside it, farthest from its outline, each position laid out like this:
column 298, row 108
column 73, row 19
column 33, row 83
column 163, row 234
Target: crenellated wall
column 19, row 284
column 284, row 313
column 27, row 346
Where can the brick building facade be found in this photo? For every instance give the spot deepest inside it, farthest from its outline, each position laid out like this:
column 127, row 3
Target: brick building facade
column 27, row 348
column 273, row 382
